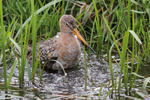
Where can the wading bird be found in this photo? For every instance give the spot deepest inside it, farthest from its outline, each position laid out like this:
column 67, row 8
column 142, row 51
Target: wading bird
column 64, row 47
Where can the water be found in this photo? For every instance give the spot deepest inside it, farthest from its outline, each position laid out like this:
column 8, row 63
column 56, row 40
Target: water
column 54, row 87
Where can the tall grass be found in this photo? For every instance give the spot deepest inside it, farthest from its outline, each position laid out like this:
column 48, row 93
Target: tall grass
column 33, row 19
column 99, row 29
column 123, row 67
column 34, row 29
column 3, row 42
column 117, row 25
column 124, row 26
column 3, row 34
column 24, row 43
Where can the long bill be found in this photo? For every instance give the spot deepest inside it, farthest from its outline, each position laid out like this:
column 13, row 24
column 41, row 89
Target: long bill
column 76, row 32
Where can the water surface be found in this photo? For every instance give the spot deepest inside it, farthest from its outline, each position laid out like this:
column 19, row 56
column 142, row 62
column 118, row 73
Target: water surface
column 54, row 87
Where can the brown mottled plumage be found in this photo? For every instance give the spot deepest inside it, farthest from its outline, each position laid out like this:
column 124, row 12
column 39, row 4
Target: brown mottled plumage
column 64, row 47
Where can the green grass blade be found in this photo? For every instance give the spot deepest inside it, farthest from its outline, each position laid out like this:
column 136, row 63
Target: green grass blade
column 124, row 49
column 19, row 7
column 1, row 15
column 98, row 28
column 11, row 72
column 10, row 25
column 41, row 20
column 37, row 12
column 3, row 45
column 16, row 45
column 4, row 62
column 129, row 13
column 27, row 64
column 33, row 38
column 82, row 13
column 100, row 90
column 92, row 30
column 138, row 75
column 106, row 22
column 110, row 90
column 35, row 68
column 21, row 71
column 146, row 81
column 66, row 7
column 135, row 36
column 61, row 68
column 133, row 52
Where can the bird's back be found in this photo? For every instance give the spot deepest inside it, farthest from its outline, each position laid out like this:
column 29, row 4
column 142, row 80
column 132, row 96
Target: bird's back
column 44, row 51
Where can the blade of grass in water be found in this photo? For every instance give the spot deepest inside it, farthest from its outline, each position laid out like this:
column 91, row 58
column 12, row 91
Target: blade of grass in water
column 110, row 64
column 24, row 42
column 131, row 82
column 27, row 64
column 35, row 68
column 124, row 49
column 40, row 71
column 111, row 90
column 139, row 59
column 146, row 81
column 21, row 71
column 100, row 90
column 3, row 46
column 27, row 30
column 115, row 43
column 65, row 74
column 126, row 74
column 4, row 60
column 33, row 38
column 11, row 72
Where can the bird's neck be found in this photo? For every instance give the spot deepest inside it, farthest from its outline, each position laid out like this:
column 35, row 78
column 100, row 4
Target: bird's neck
column 66, row 35
column 67, row 38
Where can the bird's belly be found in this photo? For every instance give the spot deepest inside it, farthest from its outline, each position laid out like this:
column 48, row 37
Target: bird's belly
column 67, row 57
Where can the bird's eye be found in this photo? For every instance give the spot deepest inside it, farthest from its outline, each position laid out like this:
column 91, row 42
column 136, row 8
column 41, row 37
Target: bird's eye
column 67, row 24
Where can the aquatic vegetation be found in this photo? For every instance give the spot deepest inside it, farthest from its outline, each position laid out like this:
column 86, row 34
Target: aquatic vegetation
column 119, row 28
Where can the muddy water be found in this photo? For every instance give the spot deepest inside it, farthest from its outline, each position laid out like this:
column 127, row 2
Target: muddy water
column 97, row 72
column 54, row 87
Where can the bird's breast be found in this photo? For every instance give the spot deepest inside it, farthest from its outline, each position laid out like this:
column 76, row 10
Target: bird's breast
column 69, row 51
column 70, row 47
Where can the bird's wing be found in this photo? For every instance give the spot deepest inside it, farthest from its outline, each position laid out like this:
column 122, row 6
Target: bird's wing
column 46, row 51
